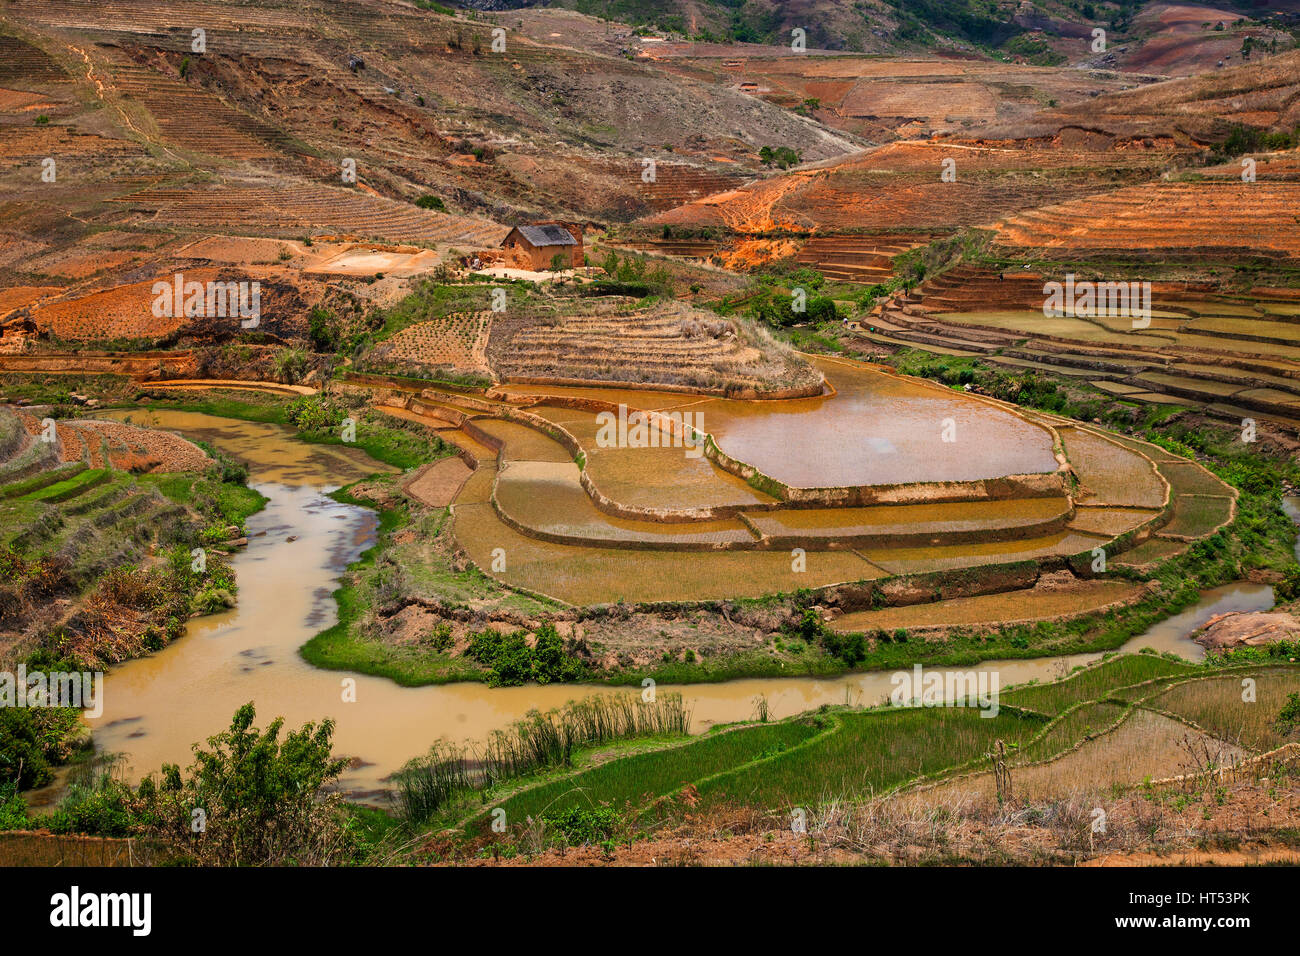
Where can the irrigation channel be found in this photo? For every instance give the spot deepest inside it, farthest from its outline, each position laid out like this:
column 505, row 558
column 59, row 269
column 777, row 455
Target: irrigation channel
column 156, row 707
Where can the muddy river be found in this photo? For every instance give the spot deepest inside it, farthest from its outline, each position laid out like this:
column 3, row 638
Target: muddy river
column 157, row 706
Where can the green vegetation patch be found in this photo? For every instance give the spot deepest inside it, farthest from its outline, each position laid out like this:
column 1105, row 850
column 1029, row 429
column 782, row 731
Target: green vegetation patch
column 72, row 487
column 1096, row 682
column 637, row 779
column 871, row 752
column 28, row 486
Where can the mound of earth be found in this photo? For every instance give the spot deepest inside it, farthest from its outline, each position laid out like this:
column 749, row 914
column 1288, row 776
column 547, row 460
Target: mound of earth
column 670, row 345
column 120, row 446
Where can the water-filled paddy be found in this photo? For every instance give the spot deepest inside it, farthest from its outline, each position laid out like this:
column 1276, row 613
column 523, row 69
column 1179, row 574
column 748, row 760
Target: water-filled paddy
column 1111, row 474
column 597, row 575
column 665, row 477
column 878, row 429
column 547, row 497
column 933, row 519
column 523, row 443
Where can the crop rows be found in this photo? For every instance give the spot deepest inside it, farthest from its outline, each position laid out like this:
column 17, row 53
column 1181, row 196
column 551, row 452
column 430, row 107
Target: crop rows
column 458, row 340
column 292, row 210
column 1194, row 219
column 866, row 259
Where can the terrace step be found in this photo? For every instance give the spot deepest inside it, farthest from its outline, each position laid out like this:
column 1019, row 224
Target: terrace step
column 99, row 502
column 1007, row 607
column 73, row 487
column 49, row 476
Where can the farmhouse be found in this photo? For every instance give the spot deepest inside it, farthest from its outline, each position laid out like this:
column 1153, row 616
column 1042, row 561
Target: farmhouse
column 537, row 245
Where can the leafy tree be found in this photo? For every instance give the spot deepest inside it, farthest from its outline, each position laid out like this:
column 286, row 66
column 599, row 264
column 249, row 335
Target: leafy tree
column 1288, row 589
column 777, row 309
column 511, row 662
column 321, row 331
column 253, row 798
column 33, row 740
column 610, row 264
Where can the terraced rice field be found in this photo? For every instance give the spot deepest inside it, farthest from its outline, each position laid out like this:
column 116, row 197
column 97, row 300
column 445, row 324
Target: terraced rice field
column 983, row 520
column 678, row 183
column 868, row 753
column 1237, row 357
column 193, row 119
column 1143, row 746
column 900, row 183
column 1096, row 682
column 547, row 498
column 595, row 575
column 853, row 258
column 1164, row 220
column 639, row 779
column 1095, row 730
column 1110, row 474
column 291, row 210
column 667, row 346
column 663, row 478
column 1217, row 706
column 1151, row 552
column 948, row 557
column 1196, row 516
column 1054, row 327
column 122, row 312
column 458, row 340
column 548, row 519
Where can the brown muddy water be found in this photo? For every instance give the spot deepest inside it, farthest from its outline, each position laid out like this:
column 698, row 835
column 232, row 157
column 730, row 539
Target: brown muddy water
column 156, row 707
column 877, row 429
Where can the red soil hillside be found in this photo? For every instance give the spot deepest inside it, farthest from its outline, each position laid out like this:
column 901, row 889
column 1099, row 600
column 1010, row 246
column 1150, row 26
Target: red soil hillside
column 1202, row 220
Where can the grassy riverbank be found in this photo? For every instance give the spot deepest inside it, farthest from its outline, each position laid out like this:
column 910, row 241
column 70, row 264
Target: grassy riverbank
column 823, row 762
column 318, row 420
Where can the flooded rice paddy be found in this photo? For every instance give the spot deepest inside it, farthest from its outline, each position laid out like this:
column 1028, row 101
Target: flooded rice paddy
column 876, row 428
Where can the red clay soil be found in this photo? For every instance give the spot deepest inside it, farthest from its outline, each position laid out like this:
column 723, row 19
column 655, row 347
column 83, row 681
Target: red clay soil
column 128, row 448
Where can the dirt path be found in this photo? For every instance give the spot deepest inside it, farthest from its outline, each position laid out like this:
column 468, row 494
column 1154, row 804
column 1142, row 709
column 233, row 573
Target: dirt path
column 436, row 484
column 206, row 383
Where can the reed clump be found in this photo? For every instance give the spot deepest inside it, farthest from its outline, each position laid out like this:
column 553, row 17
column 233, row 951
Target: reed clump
column 537, row 742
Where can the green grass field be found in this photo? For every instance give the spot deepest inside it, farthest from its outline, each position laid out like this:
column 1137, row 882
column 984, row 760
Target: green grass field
column 636, row 779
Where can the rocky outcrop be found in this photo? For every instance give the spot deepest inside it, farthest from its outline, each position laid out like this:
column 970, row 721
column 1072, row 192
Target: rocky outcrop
column 1247, row 629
